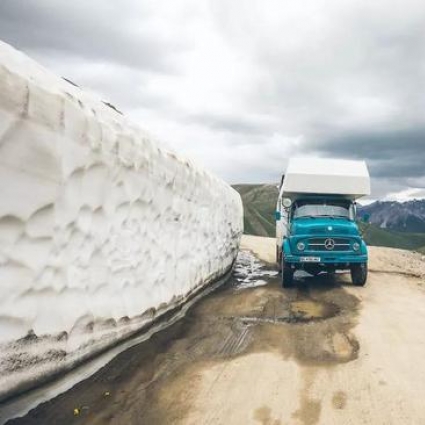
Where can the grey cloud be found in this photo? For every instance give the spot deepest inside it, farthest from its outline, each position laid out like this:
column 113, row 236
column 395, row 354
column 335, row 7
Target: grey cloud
column 399, row 153
column 321, row 84
column 233, row 124
column 418, row 182
column 124, row 86
column 95, row 30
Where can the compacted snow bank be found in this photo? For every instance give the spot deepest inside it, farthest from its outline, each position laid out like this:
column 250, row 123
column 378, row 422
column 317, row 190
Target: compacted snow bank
column 100, row 229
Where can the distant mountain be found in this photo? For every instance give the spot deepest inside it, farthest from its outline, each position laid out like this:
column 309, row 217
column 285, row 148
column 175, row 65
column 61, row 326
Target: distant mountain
column 260, row 204
column 398, row 216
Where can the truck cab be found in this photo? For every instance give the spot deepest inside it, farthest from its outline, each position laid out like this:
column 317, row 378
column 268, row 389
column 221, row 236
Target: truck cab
column 316, row 229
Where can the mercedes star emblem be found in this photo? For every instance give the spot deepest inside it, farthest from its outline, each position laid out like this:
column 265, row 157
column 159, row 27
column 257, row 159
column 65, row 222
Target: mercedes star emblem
column 329, row 244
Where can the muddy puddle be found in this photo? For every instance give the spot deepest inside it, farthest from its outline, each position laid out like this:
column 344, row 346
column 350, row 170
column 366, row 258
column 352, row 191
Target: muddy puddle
column 155, row 382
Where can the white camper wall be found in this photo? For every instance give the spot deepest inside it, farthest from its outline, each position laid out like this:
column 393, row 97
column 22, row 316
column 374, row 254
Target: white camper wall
column 326, row 176
column 282, row 225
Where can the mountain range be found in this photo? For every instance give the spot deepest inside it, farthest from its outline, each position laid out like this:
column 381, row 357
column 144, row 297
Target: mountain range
column 393, row 224
column 399, row 216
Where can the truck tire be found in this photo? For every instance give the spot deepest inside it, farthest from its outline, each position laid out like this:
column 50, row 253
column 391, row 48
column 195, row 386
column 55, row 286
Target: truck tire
column 287, row 275
column 359, row 274
column 279, row 259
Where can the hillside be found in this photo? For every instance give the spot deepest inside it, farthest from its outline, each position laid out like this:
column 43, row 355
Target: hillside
column 260, row 203
column 376, row 236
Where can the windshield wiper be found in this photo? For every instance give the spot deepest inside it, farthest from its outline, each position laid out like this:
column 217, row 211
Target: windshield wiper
column 332, row 216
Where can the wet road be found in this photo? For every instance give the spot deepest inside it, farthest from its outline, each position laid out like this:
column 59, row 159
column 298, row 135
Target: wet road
column 324, row 352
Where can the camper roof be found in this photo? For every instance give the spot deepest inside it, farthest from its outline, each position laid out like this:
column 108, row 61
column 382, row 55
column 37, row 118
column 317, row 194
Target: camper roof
column 350, row 179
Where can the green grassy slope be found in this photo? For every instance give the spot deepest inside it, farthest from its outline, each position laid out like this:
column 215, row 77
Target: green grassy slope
column 260, row 203
column 382, row 237
column 259, row 207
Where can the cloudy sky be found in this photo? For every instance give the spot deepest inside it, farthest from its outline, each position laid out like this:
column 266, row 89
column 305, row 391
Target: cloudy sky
column 242, row 85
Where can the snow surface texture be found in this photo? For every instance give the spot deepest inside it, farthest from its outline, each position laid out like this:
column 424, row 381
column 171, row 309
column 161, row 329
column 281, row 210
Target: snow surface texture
column 101, row 230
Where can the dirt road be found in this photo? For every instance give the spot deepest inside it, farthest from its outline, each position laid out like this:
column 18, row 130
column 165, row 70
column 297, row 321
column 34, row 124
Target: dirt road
column 251, row 353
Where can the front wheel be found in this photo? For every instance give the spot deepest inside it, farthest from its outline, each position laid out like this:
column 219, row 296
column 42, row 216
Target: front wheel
column 287, row 275
column 279, row 259
column 359, row 274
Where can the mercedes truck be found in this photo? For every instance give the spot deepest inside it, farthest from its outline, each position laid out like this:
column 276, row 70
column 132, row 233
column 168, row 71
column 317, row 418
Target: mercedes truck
column 316, row 229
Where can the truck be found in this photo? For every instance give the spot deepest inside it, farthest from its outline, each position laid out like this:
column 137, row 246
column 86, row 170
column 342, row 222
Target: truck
column 316, row 228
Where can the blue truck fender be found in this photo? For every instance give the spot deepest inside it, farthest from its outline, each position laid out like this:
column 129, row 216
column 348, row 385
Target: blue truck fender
column 286, row 248
column 363, row 248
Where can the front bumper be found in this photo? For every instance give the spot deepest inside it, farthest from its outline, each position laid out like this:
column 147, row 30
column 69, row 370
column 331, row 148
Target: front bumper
column 326, row 259
column 329, row 259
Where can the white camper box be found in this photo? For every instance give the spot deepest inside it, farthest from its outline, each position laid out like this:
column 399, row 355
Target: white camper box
column 305, row 176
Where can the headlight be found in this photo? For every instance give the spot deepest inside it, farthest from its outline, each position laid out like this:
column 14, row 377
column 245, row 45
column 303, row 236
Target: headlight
column 300, row 246
column 356, row 246
column 286, row 202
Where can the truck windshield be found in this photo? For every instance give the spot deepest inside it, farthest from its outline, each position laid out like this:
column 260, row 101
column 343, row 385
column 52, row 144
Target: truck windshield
column 322, row 210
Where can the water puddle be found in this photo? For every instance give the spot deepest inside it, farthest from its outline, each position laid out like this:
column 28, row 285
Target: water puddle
column 296, row 312
column 312, row 310
column 250, row 272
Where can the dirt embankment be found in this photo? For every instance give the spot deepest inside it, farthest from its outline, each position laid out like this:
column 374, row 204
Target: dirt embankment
column 324, row 352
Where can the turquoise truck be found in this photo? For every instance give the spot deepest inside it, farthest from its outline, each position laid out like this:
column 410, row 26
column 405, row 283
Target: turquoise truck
column 316, row 229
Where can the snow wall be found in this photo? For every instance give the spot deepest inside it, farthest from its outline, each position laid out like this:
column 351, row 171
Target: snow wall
column 101, row 230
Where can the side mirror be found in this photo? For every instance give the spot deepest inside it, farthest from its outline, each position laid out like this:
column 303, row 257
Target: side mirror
column 277, row 215
column 366, row 218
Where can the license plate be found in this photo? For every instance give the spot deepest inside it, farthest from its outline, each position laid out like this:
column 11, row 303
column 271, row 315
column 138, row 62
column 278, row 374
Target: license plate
column 310, row 259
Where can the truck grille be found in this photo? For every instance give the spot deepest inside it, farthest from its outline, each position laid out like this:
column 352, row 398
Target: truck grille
column 329, row 244
column 323, row 230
